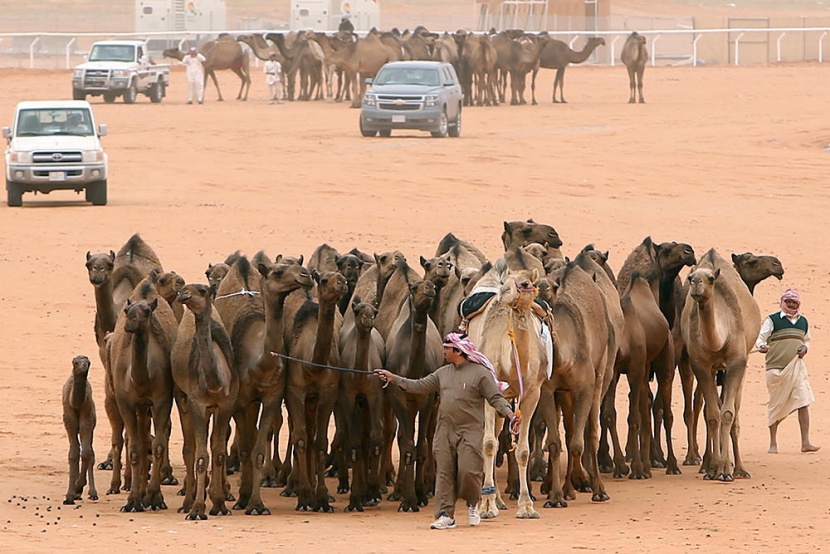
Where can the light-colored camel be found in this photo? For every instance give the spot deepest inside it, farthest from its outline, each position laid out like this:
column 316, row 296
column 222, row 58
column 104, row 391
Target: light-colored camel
column 79, row 422
column 438, row 269
column 509, row 334
column 223, row 53
column 139, row 358
column 311, row 390
column 360, row 411
column 521, row 233
column 206, row 386
column 558, row 55
column 582, row 343
column 634, row 56
column 720, row 323
column 413, row 348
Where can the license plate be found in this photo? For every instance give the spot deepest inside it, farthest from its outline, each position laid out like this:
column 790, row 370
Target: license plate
column 398, row 119
column 57, row 176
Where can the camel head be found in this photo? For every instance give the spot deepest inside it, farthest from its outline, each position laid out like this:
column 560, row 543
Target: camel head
column 536, row 250
column 331, row 285
column 80, row 366
column 518, row 289
column 437, row 269
column 754, row 268
column 168, row 285
column 422, row 294
column 673, row 256
column 521, row 233
column 364, row 314
column 387, row 262
column 555, row 264
column 197, row 297
column 471, row 276
column 702, row 283
column 216, row 272
column 284, row 276
column 138, row 314
column 173, row 53
column 100, row 267
column 546, row 290
column 350, row 266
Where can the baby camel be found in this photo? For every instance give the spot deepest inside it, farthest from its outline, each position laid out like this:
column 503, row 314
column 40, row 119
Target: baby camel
column 79, row 420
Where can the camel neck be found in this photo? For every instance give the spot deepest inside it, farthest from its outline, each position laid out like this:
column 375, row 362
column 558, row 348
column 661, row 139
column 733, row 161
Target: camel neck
column 208, row 377
column 417, row 352
column 77, row 397
column 274, row 325
column 708, row 325
column 325, row 332
column 140, row 353
column 361, row 356
column 105, row 307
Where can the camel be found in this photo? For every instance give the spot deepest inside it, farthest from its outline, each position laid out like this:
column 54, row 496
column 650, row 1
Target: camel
column 255, row 323
column 582, row 344
column 413, row 348
column 754, row 269
column 139, row 358
column 720, row 323
column 634, row 56
column 223, row 53
column 465, row 261
column 216, row 272
column 206, row 385
column 168, row 285
column 660, row 264
column 395, row 293
column 479, row 61
column 558, row 55
column 326, row 258
column 311, row 390
column 645, row 345
column 79, row 422
column 438, row 270
column 360, row 411
column 517, row 54
column 114, row 276
column 509, row 334
column 372, row 282
column 522, row 233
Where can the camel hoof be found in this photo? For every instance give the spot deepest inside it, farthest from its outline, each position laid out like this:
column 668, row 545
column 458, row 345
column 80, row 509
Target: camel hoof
column 372, row 502
column 621, row 472
column 556, row 504
column 354, row 508
column 600, row 497
column 132, row 508
column 742, row 475
column 489, row 515
column 259, row 510
column 408, row 507
column 105, row 465
column 220, row 511
column 707, row 477
column 195, row 517
column 114, row 491
column 170, row 481
column 93, row 497
column 68, row 502
column 673, row 470
column 326, row 509
column 180, row 492
column 240, row 505
column 343, row 489
column 230, row 497
column 726, row 477
column 394, row 496
column 530, row 514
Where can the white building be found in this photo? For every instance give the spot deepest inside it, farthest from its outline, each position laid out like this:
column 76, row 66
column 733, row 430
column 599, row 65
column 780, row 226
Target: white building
column 325, row 15
column 179, row 15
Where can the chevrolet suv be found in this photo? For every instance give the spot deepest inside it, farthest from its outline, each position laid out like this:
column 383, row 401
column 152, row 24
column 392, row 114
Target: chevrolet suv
column 419, row 95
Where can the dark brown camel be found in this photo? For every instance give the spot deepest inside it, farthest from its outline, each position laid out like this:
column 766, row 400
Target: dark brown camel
column 223, row 53
column 634, row 56
column 360, row 411
column 206, row 386
column 414, row 350
column 139, row 358
column 558, row 55
column 311, row 391
column 79, row 422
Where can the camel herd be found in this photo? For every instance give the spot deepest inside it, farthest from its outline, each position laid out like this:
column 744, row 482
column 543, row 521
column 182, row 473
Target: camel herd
column 262, row 335
column 483, row 61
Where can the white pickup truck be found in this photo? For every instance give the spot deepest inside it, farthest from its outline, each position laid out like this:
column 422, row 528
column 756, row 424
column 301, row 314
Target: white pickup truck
column 123, row 68
column 55, row 145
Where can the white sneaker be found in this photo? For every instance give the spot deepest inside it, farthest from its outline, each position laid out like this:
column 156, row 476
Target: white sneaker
column 473, row 519
column 443, row 522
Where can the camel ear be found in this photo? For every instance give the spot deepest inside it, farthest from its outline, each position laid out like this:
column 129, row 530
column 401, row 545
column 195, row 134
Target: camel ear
column 127, row 305
column 567, row 260
column 736, row 258
column 717, row 273
column 355, row 300
column 425, row 263
column 300, row 260
column 262, row 267
column 112, row 255
column 89, row 255
column 315, row 276
column 154, row 304
column 535, row 275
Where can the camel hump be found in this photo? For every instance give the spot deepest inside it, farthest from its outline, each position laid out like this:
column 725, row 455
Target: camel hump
column 324, row 258
column 134, row 250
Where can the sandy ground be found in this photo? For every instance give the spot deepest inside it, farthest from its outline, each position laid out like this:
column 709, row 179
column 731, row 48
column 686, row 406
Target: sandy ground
column 731, row 158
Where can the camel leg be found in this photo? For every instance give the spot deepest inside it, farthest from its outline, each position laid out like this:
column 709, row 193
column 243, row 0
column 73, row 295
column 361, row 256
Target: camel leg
column 212, row 75
column 199, row 421
column 664, row 364
column 218, row 447
column 733, row 388
column 488, row 506
column 117, row 425
column 346, row 414
column 556, row 495
column 592, row 434
column 188, row 452
column 72, row 430
column 631, row 84
column 687, row 382
column 298, row 422
column 87, row 461
column 557, row 83
column 526, row 510
column 320, row 436
column 533, row 86
column 167, row 477
column 423, row 456
column 114, row 417
column 246, row 417
column 136, row 451
column 537, row 428
column 712, row 413
column 153, row 497
column 637, row 400
column 640, row 72
column 609, row 424
column 255, row 506
column 375, row 467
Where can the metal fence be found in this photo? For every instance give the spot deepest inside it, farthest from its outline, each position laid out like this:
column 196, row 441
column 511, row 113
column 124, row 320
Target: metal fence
column 670, row 41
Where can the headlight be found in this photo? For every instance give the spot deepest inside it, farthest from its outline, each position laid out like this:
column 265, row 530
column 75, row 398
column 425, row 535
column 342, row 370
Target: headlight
column 121, row 74
column 78, row 74
column 370, row 99
column 431, row 100
column 21, row 157
column 93, row 156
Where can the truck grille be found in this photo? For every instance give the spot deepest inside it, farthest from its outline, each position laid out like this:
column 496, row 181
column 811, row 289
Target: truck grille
column 96, row 77
column 56, row 157
column 400, row 103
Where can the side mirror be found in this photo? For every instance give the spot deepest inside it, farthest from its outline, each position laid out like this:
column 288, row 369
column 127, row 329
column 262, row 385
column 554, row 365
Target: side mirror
column 7, row 132
column 102, row 129
column 368, row 81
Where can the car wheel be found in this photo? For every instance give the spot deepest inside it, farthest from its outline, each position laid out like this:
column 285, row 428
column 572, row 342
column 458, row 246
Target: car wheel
column 455, row 129
column 78, row 94
column 97, row 193
column 156, row 92
column 443, row 126
column 131, row 94
column 15, row 194
column 385, row 132
column 109, row 97
column 366, row 132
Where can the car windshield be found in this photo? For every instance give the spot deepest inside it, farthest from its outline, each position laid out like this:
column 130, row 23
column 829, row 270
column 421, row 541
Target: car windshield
column 408, row 76
column 54, row 121
column 112, row 53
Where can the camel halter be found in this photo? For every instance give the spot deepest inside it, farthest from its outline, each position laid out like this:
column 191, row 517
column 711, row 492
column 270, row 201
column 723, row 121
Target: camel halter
column 324, row 366
column 250, row 294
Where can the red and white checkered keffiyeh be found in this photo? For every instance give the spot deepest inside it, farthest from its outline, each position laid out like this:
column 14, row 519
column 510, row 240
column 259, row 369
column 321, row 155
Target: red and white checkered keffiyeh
column 466, row 346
